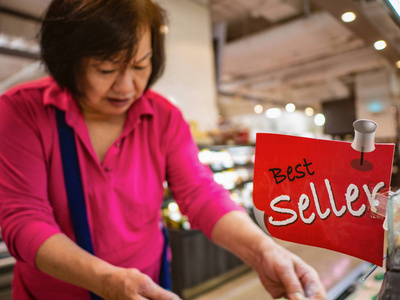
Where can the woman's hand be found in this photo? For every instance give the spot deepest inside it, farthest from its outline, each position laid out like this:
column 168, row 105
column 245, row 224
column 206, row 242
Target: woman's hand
column 285, row 275
column 61, row 258
column 282, row 273
column 130, row 284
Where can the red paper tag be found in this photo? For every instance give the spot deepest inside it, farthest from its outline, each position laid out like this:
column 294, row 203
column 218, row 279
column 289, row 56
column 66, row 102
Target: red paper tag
column 316, row 192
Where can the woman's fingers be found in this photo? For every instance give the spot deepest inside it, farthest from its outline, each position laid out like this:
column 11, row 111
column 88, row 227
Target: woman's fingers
column 154, row 291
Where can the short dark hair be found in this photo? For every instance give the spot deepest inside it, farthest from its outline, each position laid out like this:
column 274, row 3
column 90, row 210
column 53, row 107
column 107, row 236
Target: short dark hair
column 76, row 29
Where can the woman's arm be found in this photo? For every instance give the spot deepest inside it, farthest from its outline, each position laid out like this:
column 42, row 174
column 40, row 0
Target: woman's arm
column 282, row 273
column 61, row 258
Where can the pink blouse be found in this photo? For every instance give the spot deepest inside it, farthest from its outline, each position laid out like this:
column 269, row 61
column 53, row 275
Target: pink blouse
column 123, row 194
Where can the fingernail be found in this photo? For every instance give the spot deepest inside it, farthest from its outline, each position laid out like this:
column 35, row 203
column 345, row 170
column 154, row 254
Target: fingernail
column 298, row 296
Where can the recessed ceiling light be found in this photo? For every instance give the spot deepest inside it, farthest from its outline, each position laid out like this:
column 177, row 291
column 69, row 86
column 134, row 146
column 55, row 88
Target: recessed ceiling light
column 380, row 45
column 164, row 29
column 309, row 111
column 319, row 120
column 290, row 107
column 348, row 17
column 398, row 64
column 273, row 113
column 258, row 109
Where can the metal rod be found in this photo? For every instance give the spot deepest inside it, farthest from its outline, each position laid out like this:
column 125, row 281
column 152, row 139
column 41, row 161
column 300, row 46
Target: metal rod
column 370, row 271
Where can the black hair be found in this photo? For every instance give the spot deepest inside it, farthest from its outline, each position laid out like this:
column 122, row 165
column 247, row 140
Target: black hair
column 76, row 29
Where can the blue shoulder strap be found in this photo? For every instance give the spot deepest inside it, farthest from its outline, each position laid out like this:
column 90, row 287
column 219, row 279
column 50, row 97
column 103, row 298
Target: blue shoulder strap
column 76, row 200
column 165, row 273
column 73, row 185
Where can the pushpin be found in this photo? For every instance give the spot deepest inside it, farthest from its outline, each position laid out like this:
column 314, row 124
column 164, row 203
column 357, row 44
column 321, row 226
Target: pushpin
column 364, row 132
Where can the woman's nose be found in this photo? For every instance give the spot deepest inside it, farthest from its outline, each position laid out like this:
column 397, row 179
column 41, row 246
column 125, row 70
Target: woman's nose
column 124, row 83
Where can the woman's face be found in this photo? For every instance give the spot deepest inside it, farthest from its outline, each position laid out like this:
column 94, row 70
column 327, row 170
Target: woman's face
column 109, row 89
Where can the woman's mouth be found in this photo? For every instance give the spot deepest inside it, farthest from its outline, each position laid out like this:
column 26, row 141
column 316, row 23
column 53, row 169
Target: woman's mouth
column 118, row 102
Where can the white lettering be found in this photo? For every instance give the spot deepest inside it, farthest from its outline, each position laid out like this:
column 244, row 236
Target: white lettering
column 304, row 203
column 332, row 200
column 282, row 210
column 371, row 197
column 320, row 214
column 352, row 195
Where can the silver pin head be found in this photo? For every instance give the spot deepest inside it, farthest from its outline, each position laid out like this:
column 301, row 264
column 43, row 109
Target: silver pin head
column 364, row 135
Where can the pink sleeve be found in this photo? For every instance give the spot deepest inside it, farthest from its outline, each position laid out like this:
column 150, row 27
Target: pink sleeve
column 26, row 216
column 199, row 197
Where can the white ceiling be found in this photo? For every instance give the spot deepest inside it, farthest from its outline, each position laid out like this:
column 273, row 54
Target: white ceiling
column 280, row 51
column 34, row 8
column 272, row 50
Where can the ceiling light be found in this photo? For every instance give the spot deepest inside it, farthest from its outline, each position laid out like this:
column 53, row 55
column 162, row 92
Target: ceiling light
column 273, row 113
column 258, row 109
column 290, row 107
column 380, row 45
column 348, row 17
column 164, row 29
column 398, row 64
column 309, row 111
column 319, row 120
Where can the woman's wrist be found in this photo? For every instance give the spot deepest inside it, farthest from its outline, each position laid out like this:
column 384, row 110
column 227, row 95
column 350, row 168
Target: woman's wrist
column 237, row 232
column 61, row 258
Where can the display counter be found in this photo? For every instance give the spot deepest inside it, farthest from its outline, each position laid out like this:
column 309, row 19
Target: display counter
column 338, row 272
column 202, row 270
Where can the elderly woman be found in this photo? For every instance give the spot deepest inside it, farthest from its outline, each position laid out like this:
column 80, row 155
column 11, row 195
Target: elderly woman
column 103, row 56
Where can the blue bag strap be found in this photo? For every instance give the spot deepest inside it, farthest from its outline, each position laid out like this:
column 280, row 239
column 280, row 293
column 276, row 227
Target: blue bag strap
column 165, row 273
column 76, row 200
column 73, row 186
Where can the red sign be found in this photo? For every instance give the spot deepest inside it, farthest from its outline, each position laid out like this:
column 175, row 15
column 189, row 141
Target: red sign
column 318, row 193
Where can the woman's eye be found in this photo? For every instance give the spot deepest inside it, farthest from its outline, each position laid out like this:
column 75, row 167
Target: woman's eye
column 106, row 71
column 139, row 67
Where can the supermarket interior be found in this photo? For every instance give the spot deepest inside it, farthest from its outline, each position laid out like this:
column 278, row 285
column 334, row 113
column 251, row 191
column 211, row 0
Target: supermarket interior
column 238, row 68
